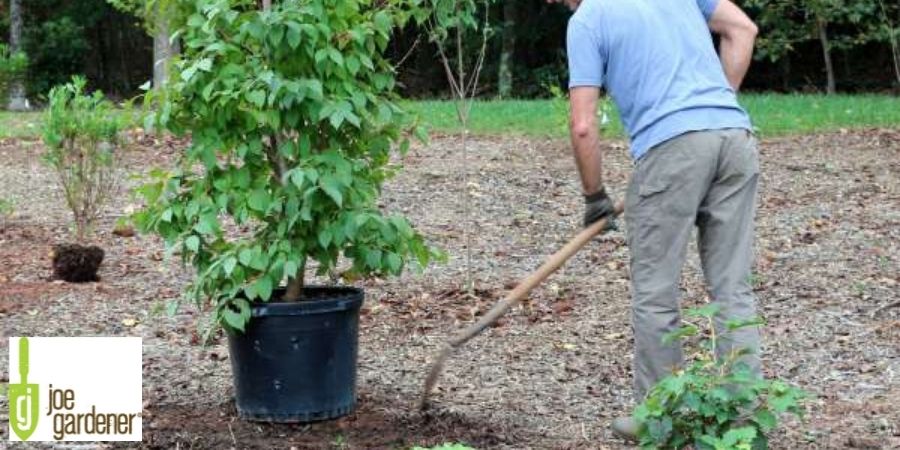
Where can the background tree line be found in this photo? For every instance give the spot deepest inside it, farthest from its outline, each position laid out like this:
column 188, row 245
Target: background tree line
column 804, row 45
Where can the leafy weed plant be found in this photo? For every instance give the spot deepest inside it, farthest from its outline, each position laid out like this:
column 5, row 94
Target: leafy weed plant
column 714, row 403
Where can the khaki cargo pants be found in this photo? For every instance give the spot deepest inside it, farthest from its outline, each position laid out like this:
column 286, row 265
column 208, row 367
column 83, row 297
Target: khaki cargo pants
column 706, row 179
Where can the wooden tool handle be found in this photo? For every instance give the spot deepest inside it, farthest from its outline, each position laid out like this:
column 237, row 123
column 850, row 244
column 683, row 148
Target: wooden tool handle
column 536, row 277
column 514, row 297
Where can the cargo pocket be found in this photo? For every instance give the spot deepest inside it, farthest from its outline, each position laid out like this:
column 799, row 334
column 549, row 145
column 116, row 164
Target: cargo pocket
column 653, row 187
column 649, row 189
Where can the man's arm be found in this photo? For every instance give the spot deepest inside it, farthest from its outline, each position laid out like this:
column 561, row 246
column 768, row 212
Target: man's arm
column 737, row 33
column 585, row 137
column 586, row 143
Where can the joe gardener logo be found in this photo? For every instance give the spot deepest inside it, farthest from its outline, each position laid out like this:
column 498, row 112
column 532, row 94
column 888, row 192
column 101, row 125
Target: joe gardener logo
column 75, row 389
column 23, row 398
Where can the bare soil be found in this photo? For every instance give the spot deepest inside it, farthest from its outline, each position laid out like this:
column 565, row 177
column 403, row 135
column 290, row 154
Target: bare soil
column 556, row 370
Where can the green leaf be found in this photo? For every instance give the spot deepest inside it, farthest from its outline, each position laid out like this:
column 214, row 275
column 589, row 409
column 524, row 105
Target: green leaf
column 233, row 319
column 205, row 64
column 679, row 334
column 320, row 55
column 733, row 325
column 765, row 419
column 297, row 178
column 315, row 89
column 257, row 97
column 421, row 134
column 192, row 243
column 659, row 429
column 293, row 35
column 325, row 237
column 260, row 259
column 783, row 402
column 335, row 56
column 366, row 61
column 373, row 258
column 188, row 73
column 707, row 311
column 353, row 65
column 245, row 256
column 263, row 287
column 305, row 145
column 735, row 436
column 259, row 200
column 674, row 385
column 229, row 265
column 207, row 224
column 290, row 269
column 394, row 262
column 336, row 118
column 243, row 307
column 332, row 187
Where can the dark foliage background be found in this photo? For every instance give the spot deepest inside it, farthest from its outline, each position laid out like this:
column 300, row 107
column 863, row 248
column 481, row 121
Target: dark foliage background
column 90, row 37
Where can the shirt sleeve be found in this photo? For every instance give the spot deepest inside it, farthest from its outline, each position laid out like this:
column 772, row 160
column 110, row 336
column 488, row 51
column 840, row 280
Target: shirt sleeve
column 586, row 65
column 707, row 7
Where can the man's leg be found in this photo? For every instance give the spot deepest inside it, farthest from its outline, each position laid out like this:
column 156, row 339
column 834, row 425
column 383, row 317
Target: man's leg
column 663, row 198
column 725, row 222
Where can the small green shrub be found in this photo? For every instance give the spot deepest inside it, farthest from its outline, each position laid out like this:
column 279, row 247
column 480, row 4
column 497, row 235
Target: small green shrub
column 12, row 66
column 714, row 403
column 81, row 133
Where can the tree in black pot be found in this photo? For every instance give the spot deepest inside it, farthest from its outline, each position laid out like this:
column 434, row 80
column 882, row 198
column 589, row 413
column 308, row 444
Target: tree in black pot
column 293, row 120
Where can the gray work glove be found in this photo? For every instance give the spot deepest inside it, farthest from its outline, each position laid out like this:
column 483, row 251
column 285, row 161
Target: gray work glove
column 599, row 206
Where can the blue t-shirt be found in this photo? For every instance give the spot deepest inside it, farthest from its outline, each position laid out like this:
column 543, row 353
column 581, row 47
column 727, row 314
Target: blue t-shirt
column 657, row 60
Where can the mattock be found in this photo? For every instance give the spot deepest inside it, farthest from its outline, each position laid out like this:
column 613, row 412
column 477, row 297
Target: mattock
column 514, row 297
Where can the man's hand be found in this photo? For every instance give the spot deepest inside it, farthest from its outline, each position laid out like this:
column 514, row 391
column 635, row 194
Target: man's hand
column 598, row 206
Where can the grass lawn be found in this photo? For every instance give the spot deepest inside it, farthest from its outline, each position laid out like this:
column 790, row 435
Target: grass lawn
column 773, row 115
column 19, row 124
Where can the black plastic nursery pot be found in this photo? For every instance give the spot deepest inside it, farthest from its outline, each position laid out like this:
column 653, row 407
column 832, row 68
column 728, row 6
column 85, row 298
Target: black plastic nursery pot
column 296, row 362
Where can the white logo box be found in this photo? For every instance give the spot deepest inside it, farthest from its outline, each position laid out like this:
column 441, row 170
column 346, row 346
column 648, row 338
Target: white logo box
column 90, row 377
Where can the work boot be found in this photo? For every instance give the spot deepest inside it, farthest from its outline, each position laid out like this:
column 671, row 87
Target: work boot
column 625, row 428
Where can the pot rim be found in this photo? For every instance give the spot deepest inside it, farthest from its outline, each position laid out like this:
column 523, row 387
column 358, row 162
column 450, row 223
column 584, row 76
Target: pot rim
column 340, row 298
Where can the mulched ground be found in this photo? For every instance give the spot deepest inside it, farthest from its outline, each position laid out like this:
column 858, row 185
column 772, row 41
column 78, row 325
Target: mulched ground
column 557, row 369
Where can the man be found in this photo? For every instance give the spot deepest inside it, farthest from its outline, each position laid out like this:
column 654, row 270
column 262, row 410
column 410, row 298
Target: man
column 696, row 162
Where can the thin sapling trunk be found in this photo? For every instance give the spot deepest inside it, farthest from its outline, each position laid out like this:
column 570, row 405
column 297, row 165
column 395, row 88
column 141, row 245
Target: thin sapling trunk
column 464, row 90
column 822, row 26
column 892, row 40
column 295, row 285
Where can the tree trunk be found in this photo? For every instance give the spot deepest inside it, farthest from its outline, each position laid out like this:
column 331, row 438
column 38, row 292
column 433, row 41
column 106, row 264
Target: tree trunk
column 786, row 73
column 826, row 53
column 296, row 284
column 17, row 99
column 507, row 50
column 102, row 55
column 895, row 54
column 892, row 40
column 163, row 50
column 125, row 85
